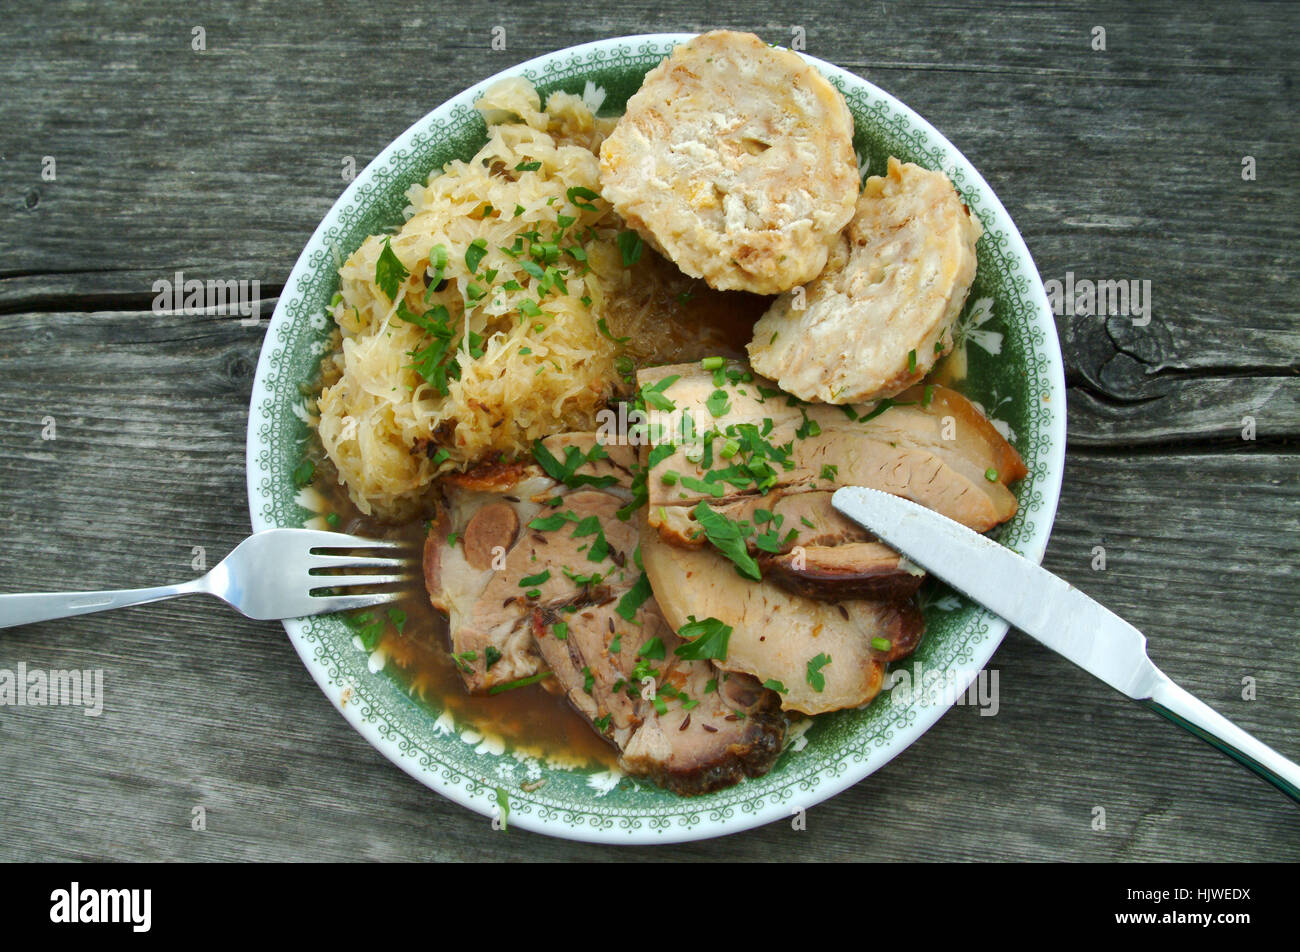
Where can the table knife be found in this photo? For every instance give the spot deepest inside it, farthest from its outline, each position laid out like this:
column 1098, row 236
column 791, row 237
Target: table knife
column 1056, row 613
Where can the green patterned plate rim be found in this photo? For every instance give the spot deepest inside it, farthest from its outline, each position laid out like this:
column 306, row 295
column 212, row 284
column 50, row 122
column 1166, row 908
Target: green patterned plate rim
column 1015, row 375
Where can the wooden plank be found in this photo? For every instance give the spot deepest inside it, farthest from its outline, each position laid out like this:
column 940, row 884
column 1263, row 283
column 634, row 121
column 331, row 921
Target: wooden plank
column 189, row 176
column 1116, row 165
column 207, row 709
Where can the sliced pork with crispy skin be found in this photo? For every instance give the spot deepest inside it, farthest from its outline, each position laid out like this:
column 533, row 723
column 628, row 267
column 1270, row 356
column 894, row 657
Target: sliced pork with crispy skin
column 820, row 553
column 811, row 600
column 852, row 570
column 678, row 722
column 481, row 551
column 809, row 515
column 537, row 575
column 930, row 445
column 826, row 656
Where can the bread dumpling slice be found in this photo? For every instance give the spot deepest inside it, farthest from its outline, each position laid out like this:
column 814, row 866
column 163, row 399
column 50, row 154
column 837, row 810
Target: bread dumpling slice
column 880, row 315
column 735, row 160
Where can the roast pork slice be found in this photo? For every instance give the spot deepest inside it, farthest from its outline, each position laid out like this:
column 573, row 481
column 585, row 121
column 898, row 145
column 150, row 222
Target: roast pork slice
column 835, row 572
column 929, row 445
column 677, row 722
column 809, row 515
column 487, row 568
column 821, row 554
column 820, row 656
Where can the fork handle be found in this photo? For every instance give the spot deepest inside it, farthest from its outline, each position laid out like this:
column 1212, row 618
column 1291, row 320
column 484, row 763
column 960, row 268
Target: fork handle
column 1185, row 710
column 25, row 608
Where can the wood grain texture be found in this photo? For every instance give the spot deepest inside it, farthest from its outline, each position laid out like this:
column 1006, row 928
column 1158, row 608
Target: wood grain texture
column 1116, row 165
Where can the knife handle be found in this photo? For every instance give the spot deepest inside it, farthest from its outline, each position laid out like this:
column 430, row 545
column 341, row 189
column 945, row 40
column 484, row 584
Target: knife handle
column 1185, row 710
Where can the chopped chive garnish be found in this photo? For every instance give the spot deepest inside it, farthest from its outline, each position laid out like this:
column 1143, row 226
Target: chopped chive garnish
column 522, row 682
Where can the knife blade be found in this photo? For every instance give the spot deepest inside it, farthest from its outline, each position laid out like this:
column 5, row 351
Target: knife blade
column 1054, row 612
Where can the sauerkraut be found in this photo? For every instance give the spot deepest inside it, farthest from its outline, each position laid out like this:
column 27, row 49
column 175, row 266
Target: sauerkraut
column 493, row 335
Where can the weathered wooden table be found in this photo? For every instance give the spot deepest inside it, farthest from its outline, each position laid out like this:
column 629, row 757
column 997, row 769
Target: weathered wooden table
column 126, row 155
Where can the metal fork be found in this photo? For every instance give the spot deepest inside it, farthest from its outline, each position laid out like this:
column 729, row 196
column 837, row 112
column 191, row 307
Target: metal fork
column 268, row 575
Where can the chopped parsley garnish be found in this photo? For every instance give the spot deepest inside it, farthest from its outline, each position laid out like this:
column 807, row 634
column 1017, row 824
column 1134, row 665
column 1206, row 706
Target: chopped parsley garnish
column 633, row 599
column 582, row 581
column 653, row 395
column 716, row 490
column 474, row 255
column 567, row 471
column 303, row 473
column 629, row 246
column 537, row 579
column 815, row 676
column 561, row 630
column 772, row 684
column 389, row 271
column 726, row 536
column 548, row 523
column 830, row 472
column 436, row 362
column 718, row 403
column 491, row 655
column 703, row 639
column 808, row 427
column 591, row 526
column 586, row 194
column 372, row 629
column 526, row 166
column 653, row 649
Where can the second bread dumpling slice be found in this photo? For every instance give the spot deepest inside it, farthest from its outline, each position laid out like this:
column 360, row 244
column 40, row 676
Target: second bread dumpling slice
column 880, row 315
